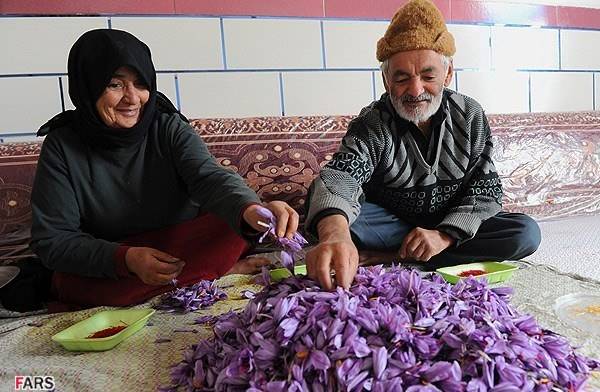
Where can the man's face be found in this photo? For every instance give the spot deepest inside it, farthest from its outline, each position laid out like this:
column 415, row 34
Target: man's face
column 415, row 81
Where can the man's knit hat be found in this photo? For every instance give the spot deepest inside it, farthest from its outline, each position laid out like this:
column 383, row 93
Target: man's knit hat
column 418, row 24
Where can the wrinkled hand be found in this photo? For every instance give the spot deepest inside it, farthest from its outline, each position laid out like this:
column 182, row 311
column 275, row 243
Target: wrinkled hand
column 152, row 266
column 287, row 218
column 335, row 252
column 422, row 244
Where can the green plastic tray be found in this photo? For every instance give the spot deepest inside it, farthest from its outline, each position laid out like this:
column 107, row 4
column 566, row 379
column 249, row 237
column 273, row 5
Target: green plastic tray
column 495, row 272
column 75, row 338
column 282, row 273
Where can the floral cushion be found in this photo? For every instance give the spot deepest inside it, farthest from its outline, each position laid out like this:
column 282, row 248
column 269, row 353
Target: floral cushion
column 549, row 163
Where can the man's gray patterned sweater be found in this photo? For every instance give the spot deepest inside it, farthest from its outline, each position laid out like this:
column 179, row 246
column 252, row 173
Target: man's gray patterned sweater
column 453, row 188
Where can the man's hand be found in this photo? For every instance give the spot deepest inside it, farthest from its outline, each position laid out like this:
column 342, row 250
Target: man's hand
column 287, row 218
column 422, row 244
column 152, row 266
column 335, row 252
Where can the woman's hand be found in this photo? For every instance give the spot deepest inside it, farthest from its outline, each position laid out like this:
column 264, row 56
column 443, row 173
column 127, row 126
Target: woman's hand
column 152, row 266
column 287, row 218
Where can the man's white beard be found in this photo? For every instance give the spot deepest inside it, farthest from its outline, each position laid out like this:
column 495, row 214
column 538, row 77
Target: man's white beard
column 417, row 115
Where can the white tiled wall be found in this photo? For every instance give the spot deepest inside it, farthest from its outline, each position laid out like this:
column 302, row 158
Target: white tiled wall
column 351, row 44
column 27, row 103
column 65, row 91
column 524, row 48
column 379, row 87
column 231, row 94
column 241, row 66
column 40, row 45
column 166, row 84
column 178, row 43
column 326, row 92
column 272, row 43
column 497, row 92
column 561, row 91
column 472, row 46
column 579, row 49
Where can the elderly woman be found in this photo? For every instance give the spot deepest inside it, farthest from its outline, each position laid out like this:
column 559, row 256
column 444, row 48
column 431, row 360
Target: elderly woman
column 126, row 196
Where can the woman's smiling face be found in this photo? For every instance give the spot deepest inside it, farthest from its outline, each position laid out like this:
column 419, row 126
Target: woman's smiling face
column 122, row 102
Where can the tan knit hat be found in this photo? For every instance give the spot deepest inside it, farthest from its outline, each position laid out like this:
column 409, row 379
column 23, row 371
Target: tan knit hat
column 418, row 24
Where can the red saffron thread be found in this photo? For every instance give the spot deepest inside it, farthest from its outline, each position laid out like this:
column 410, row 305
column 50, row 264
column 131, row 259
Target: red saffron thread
column 110, row 331
column 473, row 272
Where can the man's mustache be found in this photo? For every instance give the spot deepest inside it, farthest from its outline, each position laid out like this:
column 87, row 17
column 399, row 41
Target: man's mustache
column 419, row 98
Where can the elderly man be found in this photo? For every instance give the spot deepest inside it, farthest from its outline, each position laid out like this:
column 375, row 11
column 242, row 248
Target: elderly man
column 414, row 174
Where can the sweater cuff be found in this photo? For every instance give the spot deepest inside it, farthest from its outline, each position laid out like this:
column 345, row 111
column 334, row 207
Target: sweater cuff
column 119, row 258
column 330, row 202
column 461, row 225
column 457, row 235
column 312, row 230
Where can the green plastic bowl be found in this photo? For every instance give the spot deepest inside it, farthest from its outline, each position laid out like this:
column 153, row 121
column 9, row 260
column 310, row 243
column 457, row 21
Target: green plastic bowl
column 282, row 273
column 495, row 271
column 75, row 338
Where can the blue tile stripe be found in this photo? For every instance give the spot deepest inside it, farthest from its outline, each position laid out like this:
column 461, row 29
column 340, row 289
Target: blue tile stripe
column 223, row 49
column 323, row 53
column 62, row 93
column 177, row 92
column 281, row 96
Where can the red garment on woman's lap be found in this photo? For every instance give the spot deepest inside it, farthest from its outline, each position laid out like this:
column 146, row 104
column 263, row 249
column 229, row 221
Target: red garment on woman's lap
column 207, row 244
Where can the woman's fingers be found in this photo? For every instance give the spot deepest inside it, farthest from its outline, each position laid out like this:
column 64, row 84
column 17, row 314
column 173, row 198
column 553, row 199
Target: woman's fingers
column 287, row 218
column 293, row 222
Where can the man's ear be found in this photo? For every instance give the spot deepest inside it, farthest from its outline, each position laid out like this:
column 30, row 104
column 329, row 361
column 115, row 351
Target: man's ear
column 387, row 90
column 449, row 74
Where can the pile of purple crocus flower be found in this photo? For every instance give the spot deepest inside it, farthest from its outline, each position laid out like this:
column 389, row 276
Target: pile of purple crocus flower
column 187, row 299
column 394, row 330
column 290, row 246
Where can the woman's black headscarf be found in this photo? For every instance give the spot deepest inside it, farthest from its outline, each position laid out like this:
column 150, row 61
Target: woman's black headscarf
column 93, row 60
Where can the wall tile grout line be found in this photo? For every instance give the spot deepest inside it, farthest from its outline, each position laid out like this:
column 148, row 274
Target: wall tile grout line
column 490, row 32
column 559, row 49
column 529, row 90
column 281, row 97
column 33, row 75
column 16, row 134
column 323, row 54
column 62, row 94
column 594, row 91
column 177, row 92
column 291, row 17
column 490, row 46
column 305, row 70
column 373, row 85
column 456, row 80
column 224, row 52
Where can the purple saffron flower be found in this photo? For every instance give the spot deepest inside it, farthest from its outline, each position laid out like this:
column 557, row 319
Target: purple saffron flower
column 290, row 247
column 287, row 260
column 200, row 295
column 319, row 360
column 393, row 330
column 289, row 326
column 379, row 362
